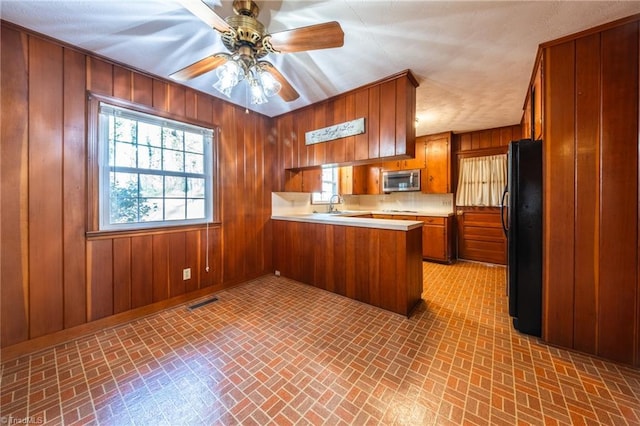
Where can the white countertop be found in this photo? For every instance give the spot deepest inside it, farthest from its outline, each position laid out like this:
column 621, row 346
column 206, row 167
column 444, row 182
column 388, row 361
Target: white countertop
column 346, row 218
column 409, row 213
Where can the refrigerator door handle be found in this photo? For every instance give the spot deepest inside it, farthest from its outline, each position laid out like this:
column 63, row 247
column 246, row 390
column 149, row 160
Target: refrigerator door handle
column 502, row 206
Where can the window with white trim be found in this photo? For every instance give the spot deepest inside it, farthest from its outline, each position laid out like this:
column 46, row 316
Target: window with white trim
column 329, row 186
column 153, row 171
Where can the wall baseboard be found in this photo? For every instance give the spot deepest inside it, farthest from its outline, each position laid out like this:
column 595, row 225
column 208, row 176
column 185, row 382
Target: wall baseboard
column 62, row 336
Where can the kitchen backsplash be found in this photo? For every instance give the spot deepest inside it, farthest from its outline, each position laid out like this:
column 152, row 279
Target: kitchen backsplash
column 300, row 203
column 415, row 201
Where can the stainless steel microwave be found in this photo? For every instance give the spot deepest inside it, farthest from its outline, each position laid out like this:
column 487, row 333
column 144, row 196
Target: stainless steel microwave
column 401, row 180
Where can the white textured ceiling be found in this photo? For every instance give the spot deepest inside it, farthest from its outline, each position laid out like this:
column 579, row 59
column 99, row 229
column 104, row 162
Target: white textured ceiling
column 473, row 59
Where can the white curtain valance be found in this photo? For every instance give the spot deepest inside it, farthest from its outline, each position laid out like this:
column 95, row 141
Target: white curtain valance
column 481, row 180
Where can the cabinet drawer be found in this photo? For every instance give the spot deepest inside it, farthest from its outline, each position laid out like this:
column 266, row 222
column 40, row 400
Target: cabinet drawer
column 403, row 217
column 432, row 220
column 483, row 233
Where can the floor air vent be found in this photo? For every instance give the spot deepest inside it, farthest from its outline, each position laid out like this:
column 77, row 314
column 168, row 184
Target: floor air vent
column 204, row 302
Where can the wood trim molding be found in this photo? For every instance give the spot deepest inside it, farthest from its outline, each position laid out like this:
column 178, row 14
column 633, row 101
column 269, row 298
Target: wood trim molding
column 593, row 30
column 483, row 152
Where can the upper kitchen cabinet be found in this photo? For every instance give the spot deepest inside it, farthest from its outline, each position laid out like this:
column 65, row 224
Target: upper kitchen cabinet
column 388, row 108
column 309, row 180
column 352, row 180
column 419, row 162
column 436, row 177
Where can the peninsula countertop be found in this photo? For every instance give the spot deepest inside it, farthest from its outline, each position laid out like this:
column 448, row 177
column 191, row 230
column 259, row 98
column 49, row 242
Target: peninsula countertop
column 350, row 218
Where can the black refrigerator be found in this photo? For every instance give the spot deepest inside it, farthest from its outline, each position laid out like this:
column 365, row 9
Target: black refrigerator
column 522, row 223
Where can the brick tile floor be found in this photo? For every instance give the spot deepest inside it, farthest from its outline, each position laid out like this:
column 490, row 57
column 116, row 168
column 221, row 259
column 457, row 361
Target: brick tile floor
column 274, row 351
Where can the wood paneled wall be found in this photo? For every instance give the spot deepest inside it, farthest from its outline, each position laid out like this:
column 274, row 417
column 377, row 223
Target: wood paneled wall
column 53, row 276
column 479, row 140
column 591, row 137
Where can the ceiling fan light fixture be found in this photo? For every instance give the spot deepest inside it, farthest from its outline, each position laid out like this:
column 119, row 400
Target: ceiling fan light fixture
column 248, row 42
column 257, row 93
column 270, row 85
column 229, row 75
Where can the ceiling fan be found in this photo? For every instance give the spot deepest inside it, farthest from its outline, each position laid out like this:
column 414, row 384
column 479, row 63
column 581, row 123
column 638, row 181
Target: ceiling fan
column 248, row 42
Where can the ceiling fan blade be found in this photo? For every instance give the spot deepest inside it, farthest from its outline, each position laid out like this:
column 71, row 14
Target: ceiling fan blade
column 287, row 92
column 202, row 66
column 204, row 12
column 320, row 36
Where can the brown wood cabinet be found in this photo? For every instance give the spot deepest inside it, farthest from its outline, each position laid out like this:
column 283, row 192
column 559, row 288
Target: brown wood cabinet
column 312, row 180
column 409, row 163
column 437, row 233
column 308, row 180
column 480, row 235
column 388, row 107
column 380, row 267
column 436, row 177
column 374, row 185
column 352, row 180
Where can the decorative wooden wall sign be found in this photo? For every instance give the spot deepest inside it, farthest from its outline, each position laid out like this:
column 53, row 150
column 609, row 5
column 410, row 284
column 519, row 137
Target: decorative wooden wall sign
column 337, row 131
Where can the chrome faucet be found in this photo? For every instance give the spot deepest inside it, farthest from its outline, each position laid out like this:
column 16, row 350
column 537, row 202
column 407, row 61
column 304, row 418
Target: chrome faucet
column 331, row 206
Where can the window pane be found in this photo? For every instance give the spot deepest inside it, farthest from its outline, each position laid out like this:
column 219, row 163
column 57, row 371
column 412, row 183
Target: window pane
column 151, row 186
column 194, row 163
column 195, row 209
column 172, row 161
column 193, row 142
column 174, row 186
column 149, row 158
column 149, row 134
column 125, row 155
column 124, row 210
column 173, row 139
column 195, row 187
column 125, row 130
column 175, row 209
column 124, row 198
column 151, row 210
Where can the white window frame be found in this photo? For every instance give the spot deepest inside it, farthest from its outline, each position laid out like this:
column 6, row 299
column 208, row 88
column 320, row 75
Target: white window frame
column 106, row 109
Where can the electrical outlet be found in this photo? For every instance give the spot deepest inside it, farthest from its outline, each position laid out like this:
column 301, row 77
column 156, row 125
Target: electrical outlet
column 277, row 273
column 186, row 274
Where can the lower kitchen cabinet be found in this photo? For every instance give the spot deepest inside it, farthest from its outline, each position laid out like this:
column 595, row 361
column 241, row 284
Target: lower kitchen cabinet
column 480, row 235
column 437, row 238
column 437, row 235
